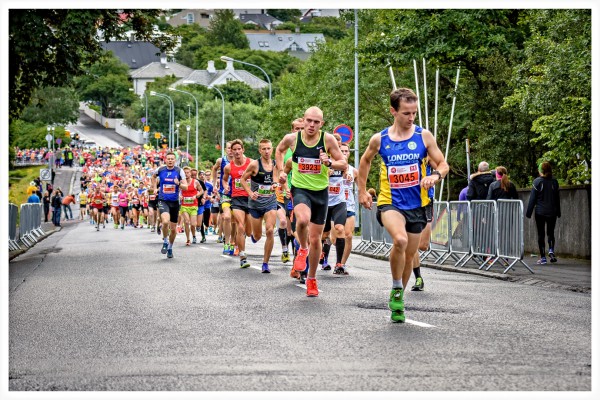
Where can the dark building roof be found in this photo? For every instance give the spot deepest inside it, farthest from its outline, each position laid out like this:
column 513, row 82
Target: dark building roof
column 133, row 53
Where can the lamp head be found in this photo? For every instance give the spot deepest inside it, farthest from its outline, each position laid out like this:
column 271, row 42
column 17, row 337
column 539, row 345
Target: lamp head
column 225, row 58
column 152, row 93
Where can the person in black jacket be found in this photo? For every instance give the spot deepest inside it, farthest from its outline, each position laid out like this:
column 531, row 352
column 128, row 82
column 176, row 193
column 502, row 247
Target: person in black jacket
column 546, row 201
column 56, row 202
column 480, row 182
column 46, row 203
column 502, row 188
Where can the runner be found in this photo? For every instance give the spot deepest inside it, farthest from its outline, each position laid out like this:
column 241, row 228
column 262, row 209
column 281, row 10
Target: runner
column 311, row 163
column 225, row 201
column 97, row 200
column 189, row 204
column 403, row 187
column 114, row 205
column 239, row 197
column 349, row 178
column 206, row 216
column 262, row 203
column 170, row 180
column 83, row 199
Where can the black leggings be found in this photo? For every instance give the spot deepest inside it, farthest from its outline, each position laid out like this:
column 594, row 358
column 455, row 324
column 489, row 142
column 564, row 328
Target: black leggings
column 548, row 224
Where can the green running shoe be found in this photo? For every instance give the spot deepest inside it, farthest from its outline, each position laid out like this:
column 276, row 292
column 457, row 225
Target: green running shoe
column 244, row 263
column 396, row 305
column 419, row 285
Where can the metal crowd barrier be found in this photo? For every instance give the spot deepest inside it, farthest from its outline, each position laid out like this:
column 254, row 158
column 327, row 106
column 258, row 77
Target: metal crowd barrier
column 510, row 233
column 13, row 213
column 483, row 231
column 30, row 226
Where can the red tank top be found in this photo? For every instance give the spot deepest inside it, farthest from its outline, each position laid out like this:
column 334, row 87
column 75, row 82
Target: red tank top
column 236, row 178
column 189, row 196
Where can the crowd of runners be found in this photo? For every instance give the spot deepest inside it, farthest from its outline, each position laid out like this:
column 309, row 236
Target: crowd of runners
column 302, row 188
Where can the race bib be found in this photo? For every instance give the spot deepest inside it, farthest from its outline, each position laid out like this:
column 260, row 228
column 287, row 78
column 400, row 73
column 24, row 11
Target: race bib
column 403, row 176
column 309, row 165
column 334, row 190
column 238, row 183
column 264, row 190
column 168, row 189
column 188, row 200
column 152, row 197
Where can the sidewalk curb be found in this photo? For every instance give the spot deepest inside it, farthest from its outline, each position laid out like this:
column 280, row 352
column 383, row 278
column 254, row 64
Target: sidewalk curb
column 14, row 254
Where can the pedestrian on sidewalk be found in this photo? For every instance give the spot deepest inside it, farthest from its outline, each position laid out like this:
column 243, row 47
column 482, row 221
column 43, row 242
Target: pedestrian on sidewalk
column 46, row 203
column 56, row 202
column 502, row 188
column 480, row 182
column 545, row 200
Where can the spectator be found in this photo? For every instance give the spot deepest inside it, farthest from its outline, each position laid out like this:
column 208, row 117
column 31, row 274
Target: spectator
column 34, row 198
column 46, row 203
column 373, row 194
column 480, row 182
column 545, row 200
column 32, row 188
column 502, row 188
column 66, row 206
column 56, row 202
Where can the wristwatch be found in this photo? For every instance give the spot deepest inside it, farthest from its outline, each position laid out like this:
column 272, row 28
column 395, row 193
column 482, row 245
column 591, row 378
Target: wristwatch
column 328, row 162
column 435, row 172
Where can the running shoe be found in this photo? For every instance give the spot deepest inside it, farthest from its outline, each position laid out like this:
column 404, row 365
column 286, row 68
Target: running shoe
column 340, row 270
column 170, row 253
column 152, row 229
column 203, row 240
column 97, row 227
column 187, row 243
column 236, row 251
column 265, row 268
column 285, row 257
column 542, row 261
column 219, row 239
column 158, row 229
column 122, row 226
column 552, row 256
column 311, row 288
column 194, row 240
column 322, row 258
column 419, row 285
column 300, row 260
column 326, row 266
column 252, row 238
column 225, row 249
column 103, row 226
column 116, row 226
column 244, row 263
column 294, row 274
column 164, row 248
column 302, row 278
column 396, row 305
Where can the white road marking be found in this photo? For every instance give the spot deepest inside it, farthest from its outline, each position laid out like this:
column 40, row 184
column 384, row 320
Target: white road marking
column 413, row 322
column 203, row 248
column 303, row 286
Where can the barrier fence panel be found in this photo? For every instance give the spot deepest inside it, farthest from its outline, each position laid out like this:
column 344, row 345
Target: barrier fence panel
column 484, row 242
column 30, row 223
column 365, row 231
column 461, row 230
column 13, row 213
column 510, row 233
column 377, row 233
column 439, row 245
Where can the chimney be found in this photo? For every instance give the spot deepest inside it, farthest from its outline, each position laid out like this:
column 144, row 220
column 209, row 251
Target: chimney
column 211, row 67
column 163, row 60
column 229, row 66
column 297, row 30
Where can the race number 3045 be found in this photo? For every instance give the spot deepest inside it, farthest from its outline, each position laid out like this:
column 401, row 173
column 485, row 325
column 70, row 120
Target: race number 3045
column 403, row 176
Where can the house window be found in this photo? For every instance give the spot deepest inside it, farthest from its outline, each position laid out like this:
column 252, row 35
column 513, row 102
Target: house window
column 190, row 18
column 266, row 44
column 310, row 44
column 261, row 44
column 204, row 16
column 290, row 38
column 294, row 47
column 280, row 38
column 229, row 79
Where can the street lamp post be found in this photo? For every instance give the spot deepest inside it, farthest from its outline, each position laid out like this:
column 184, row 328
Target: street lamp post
column 177, row 131
column 195, row 100
column 187, row 142
column 222, row 121
column 225, row 58
column 171, row 114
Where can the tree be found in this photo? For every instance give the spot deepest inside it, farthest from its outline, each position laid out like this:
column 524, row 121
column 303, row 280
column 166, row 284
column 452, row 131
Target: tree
column 552, row 86
column 48, row 47
column 224, row 29
column 52, row 105
column 107, row 83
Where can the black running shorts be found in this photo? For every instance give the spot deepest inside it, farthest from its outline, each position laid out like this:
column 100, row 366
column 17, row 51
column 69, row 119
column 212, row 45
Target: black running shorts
column 170, row 207
column 415, row 218
column 316, row 200
column 336, row 213
column 240, row 203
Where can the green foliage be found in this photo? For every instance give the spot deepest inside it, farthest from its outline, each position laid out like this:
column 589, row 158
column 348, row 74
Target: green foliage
column 48, row 47
column 224, row 29
column 285, row 14
column 240, row 92
column 552, row 87
column 331, row 27
column 107, row 83
column 52, row 105
column 26, row 135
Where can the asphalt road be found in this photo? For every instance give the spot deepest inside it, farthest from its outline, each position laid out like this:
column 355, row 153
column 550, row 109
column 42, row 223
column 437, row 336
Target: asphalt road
column 92, row 130
column 106, row 311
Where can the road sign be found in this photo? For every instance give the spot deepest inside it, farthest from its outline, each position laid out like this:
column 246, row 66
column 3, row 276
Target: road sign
column 48, row 138
column 157, row 135
column 58, row 141
column 45, row 174
column 146, row 128
column 143, row 120
column 67, row 133
column 345, row 132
